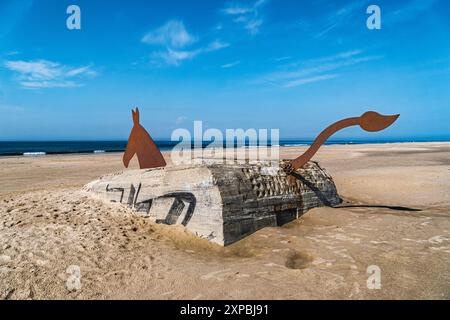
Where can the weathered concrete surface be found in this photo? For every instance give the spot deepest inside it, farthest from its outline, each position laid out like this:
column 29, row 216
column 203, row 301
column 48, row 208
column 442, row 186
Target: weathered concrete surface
column 222, row 203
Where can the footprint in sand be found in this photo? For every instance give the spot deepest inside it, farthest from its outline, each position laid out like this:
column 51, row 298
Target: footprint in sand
column 298, row 260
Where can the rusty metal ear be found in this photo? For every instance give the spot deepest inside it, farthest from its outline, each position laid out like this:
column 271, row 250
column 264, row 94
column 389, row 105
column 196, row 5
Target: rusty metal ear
column 135, row 115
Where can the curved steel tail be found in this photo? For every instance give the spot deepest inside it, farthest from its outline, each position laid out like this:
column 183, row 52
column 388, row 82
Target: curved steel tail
column 370, row 121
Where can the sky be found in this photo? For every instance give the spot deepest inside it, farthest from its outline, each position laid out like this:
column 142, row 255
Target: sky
column 296, row 66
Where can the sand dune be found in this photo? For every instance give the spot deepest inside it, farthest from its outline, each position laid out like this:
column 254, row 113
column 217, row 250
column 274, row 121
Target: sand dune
column 396, row 216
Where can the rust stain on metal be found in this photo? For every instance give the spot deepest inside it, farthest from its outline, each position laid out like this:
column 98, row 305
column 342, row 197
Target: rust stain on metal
column 370, row 121
column 141, row 143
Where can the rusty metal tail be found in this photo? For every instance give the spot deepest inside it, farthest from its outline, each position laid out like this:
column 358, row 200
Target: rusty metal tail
column 370, row 121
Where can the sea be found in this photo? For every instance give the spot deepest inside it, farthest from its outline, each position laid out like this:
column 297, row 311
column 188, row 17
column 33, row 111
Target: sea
column 42, row 148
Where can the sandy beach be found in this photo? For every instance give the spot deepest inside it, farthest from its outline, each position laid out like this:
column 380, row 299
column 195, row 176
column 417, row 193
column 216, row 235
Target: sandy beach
column 395, row 215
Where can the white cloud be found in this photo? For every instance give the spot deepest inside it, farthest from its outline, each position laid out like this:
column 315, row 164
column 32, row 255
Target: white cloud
column 247, row 15
column 283, row 58
column 173, row 34
column 314, row 70
column 216, row 45
column 315, row 66
column 253, row 26
column 241, row 8
column 177, row 41
column 47, row 74
column 302, row 81
column 325, row 61
column 230, row 65
column 80, row 71
column 341, row 16
column 235, row 9
column 174, row 57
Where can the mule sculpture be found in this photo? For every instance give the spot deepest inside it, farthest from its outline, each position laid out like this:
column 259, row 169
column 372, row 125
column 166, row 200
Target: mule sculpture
column 141, row 143
column 149, row 156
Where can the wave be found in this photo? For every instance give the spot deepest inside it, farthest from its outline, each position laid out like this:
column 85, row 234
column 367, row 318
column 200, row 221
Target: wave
column 99, row 151
column 295, row 145
column 34, row 154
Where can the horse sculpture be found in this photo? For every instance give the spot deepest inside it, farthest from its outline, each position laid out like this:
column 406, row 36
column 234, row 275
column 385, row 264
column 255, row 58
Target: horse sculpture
column 141, row 143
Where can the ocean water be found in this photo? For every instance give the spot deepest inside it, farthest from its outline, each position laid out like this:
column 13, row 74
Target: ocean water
column 41, row 148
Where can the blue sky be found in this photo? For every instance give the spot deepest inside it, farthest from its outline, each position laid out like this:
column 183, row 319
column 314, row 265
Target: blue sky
column 292, row 65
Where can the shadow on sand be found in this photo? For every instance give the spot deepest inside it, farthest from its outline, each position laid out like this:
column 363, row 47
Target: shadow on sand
column 396, row 208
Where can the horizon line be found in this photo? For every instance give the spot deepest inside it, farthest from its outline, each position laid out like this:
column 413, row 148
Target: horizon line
column 439, row 138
